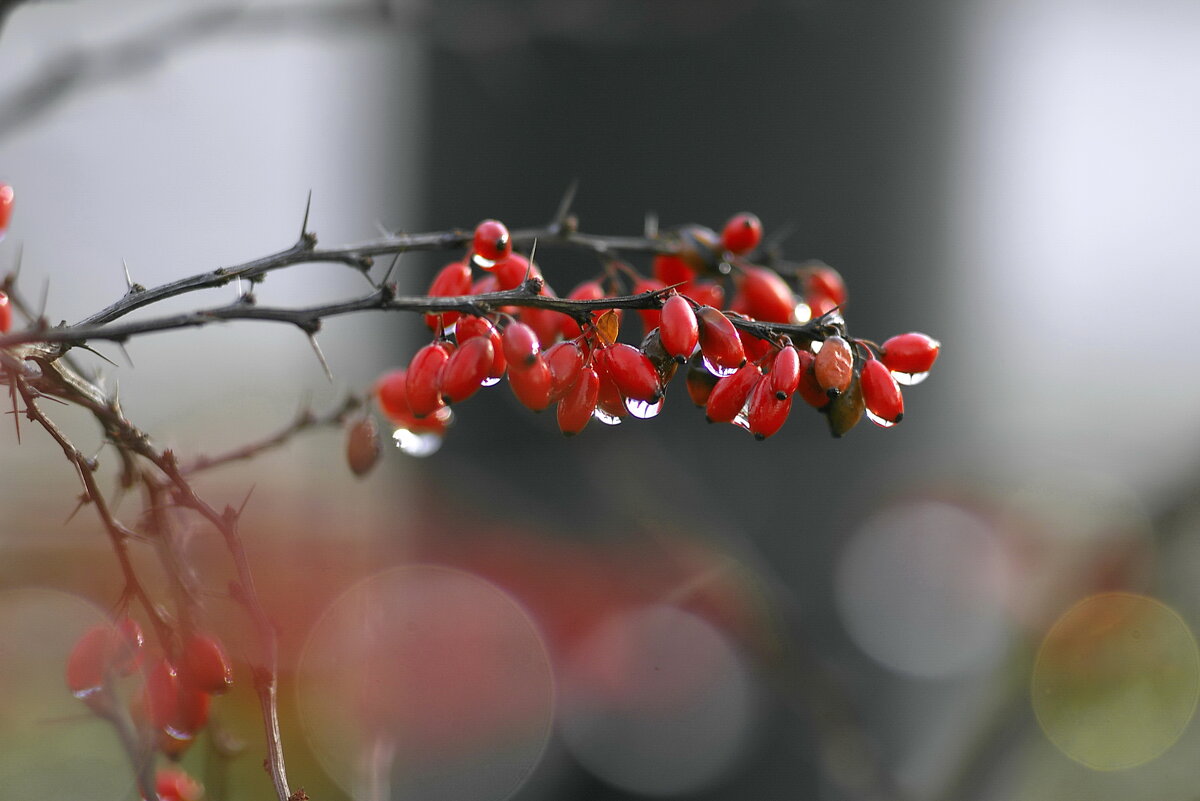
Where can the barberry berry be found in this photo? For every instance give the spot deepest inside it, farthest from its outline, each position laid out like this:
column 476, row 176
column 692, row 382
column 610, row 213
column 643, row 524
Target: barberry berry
column 834, row 365
column 491, row 243
column 881, row 394
column 910, row 353
column 678, row 328
column 577, row 405
column 742, row 233
column 719, row 340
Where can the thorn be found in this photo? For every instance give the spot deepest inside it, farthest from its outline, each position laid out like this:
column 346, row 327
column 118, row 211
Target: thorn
column 45, row 300
column 90, row 349
column 12, row 391
column 382, row 229
column 564, row 205
column 83, row 500
column 304, row 234
column 245, row 501
column 125, row 353
column 650, row 227
column 312, row 340
column 391, row 268
column 128, row 277
column 20, row 258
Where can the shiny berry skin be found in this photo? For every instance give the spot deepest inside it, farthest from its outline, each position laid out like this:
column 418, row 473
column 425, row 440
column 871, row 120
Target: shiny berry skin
column 609, row 399
column 531, row 384
column 173, row 784
column 362, row 446
column 719, row 340
column 834, row 365
column 632, row 372
column 204, row 666
column 162, row 693
column 577, row 404
column 470, row 326
column 808, row 388
column 910, row 353
column 741, row 233
column 90, row 661
column 451, row 281
column 824, row 289
column 755, row 348
column 466, row 369
column 785, row 372
column 491, row 242
column 6, row 207
column 521, row 345
column 588, row 290
column 5, row 314
column 391, row 392
column 425, row 377
column 881, row 394
column 765, row 411
column 671, row 269
column 730, row 394
column 565, row 361
column 766, row 296
column 678, row 328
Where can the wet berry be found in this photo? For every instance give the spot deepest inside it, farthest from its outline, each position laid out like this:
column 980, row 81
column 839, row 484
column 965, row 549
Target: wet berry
column 741, row 233
column 719, row 340
column 834, row 365
column 678, row 328
column 521, row 345
column 910, row 353
column 531, row 384
column 466, row 369
column 633, row 373
column 577, row 404
column 785, row 372
column 765, row 411
column 424, row 378
column 491, row 242
column 881, row 394
column 730, row 394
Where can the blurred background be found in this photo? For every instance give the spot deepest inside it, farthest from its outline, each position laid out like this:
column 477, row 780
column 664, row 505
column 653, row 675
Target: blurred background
column 994, row 600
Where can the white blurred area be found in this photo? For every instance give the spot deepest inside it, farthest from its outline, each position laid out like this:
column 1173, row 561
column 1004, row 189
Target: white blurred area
column 1073, row 237
column 203, row 156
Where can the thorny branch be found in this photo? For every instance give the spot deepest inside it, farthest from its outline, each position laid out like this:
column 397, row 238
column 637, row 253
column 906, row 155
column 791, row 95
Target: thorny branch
column 36, row 362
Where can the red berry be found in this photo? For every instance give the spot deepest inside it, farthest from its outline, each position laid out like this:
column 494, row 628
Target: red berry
column 671, row 269
column 531, row 384
column 705, row 293
column 765, row 411
column 741, row 234
column 470, row 326
column 425, row 379
column 90, row 660
column 729, row 394
column 719, row 340
column 466, row 369
column 451, row 281
column 755, row 348
column 609, row 400
column 651, row 318
column 565, row 361
column 576, row 406
column 204, row 666
column 785, row 372
column 911, row 353
column 678, row 328
column 767, row 296
column 6, row 207
column 173, row 784
column 521, row 345
column 512, row 271
column 881, row 394
column 391, row 391
column 362, row 446
column 588, row 290
column 824, row 289
column 162, row 693
column 491, row 242
column 834, row 365
column 5, row 314
column 632, row 372
column 812, row 392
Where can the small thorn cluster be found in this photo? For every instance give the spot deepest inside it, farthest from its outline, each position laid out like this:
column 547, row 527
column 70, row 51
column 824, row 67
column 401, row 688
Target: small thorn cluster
column 170, row 700
column 779, row 335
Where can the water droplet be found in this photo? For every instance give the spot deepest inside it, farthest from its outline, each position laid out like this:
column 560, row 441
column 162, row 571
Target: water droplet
column 415, row 444
column 88, row 692
column 642, row 409
column 718, row 371
column 910, row 379
column 815, row 347
column 879, row 421
column 481, row 262
column 606, row 418
column 741, row 420
column 490, row 382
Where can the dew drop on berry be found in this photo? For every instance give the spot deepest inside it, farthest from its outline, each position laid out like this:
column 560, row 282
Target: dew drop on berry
column 742, row 420
column 879, row 421
column 643, row 410
column 490, row 381
column 910, row 379
column 417, row 444
column 720, row 372
column 606, row 418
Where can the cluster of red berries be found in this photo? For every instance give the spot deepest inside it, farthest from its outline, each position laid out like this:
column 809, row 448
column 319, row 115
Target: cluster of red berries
column 738, row 371
column 170, row 703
